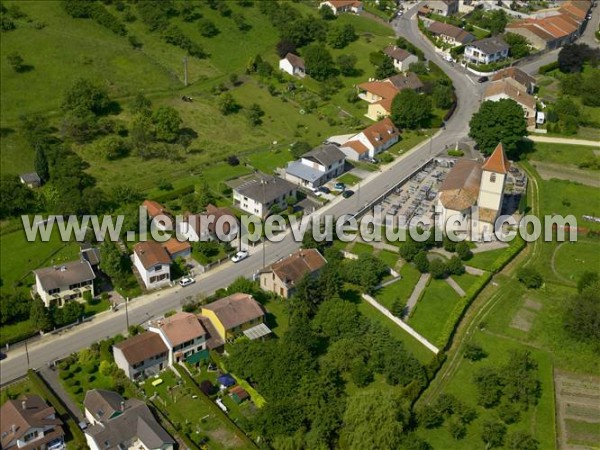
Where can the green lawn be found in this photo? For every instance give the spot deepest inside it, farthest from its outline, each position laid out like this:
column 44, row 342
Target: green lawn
column 430, row 314
column 268, row 160
column 360, row 248
column 408, row 140
column 388, row 257
column 561, row 153
column 15, row 390
column 484, row 260
column 278, row 318
column 400, row 290
column 465, row 281
column 348, row 179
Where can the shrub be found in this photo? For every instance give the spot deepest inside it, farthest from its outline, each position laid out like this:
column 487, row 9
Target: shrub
column 437, row 268
column 530, row 277
column 474, row 352
column 463, row 251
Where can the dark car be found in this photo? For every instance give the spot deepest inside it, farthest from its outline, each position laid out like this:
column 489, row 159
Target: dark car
column 482, row 79
column 2, row 356
column 325, row 190
column 347, row 193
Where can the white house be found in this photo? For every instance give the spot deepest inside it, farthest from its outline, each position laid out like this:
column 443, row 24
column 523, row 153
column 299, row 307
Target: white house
column 486, row 51
column 473, row 192
column 261, row 193
column 443, row 7
column 204, row 227
column 401, row 58
column 183, row 335
column 293, row 64
column 61, row 283
column 316, row 167
column 141, row 356
column 504, row 89
column 342, row 6
column 372, row 140
column 153, row 264
column 119, row 424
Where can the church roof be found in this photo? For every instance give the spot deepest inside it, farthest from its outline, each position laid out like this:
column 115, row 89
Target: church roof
column 497, row 162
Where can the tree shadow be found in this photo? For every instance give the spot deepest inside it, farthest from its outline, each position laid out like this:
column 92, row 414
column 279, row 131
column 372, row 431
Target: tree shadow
column 6, row 131
column 26, row 68
column 525, row 148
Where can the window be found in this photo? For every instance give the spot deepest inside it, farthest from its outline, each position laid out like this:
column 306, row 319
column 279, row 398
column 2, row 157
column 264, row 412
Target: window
column 54, row 291
column 493, row 177
column 30, row 436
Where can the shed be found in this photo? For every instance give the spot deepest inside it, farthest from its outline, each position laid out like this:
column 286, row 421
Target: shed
column 226, row 380
column 208, row 388
column 238, row 394
column 31, row 179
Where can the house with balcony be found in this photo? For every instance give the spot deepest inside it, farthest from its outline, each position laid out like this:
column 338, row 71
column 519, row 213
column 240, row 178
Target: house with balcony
column 371, row 141
column 119, row 424
column 28, row 423
column 486, row 51
column 260, row 194
column 141, row 356
column 183, row 335
column 153, row 264
column 316, row 167
column 59, row 284
column 235, row 315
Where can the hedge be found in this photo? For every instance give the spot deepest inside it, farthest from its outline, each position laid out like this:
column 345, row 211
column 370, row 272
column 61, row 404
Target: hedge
column 548, row 68
column 44, row 390
column 515, row 248
column 175, row 193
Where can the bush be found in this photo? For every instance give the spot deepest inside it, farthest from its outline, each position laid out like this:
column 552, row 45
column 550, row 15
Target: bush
column 437, row 268
column 463, row 251
column 530, row 277
column 474, row 352
column 456, row 153
column 548, row 68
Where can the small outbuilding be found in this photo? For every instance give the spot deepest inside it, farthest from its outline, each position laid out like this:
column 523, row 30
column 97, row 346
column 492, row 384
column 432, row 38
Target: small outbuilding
column 238, row 394
column 31, row 179
column 226, row 380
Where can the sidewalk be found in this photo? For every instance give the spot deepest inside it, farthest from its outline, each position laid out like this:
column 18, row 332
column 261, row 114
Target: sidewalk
column 51, row 377
column 559, row 140
column 416, row 293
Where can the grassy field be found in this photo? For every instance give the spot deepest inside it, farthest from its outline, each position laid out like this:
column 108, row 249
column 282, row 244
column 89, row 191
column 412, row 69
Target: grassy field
column 484, row 260
column 360, row 248
column 400, row 290
column 388, row 257
column 465, row 281
column 430, row 314
column 349, row 179
column 561, row 153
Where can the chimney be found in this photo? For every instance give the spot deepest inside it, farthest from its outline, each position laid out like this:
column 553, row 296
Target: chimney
column 13, row 428
column 24, row 405
column 122, row 406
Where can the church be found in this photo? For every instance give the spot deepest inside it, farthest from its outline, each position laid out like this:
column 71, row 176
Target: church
column 470, row 198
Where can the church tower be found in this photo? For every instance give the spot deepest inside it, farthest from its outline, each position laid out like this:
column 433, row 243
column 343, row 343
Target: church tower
column 493, row 176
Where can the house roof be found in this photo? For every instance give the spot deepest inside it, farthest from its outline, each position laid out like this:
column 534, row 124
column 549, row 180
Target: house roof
column 235, row 310
column 292, row 269
column 487, row 214
column 295, row 60
column 142, row 347
column 174, row 246
column 103, row 404
column 460, row 189
column 134, row 421
column 304, row 172
column 265, row 188
column 521, row 77
column 407, row 80
column 180, row 327
column 497, row 162
column 30, row 177
column 503, row 87
column 396, row 52
column 576, row 8
column 151, row 253
column 213, row 340
column 154, row 208
column 532, row 27
column 490, row 45
column 91, row 255
column 342, row 3
column 386, row 104
column 381, row 132
column 17, row 417
column 64, row 275
column 325, row 154
column 357, row 146
column 217, row 212
column 458, row 34
column 239, row 391
column 383, row 89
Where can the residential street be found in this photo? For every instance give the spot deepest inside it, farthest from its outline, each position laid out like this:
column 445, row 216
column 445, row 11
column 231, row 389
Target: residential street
column 153, row 305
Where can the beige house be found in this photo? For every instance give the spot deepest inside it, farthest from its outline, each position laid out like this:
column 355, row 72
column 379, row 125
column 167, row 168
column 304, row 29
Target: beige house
column 400, row 57
column 282, row 277
column 450, row 34
column 235, row 315
column 504, row 88
column 519, row 79
column 380, row 94
column 372, row 140
column 61, row 283
column 342, row 6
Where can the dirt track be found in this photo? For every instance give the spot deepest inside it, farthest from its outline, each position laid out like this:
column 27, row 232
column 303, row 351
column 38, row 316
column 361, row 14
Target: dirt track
column 566, row 172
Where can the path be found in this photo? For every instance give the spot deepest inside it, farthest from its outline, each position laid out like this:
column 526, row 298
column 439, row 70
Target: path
column 454, row 285
column 474, row 271
column 488, row 246
column 400, row 323
column 559, row 140
column 51, row 377
column 416, row 293
column 548, row 171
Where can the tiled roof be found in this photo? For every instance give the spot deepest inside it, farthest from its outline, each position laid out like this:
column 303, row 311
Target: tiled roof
column 64, row 275
column 504, row 87
column 382, row 89
column 174, row 246
column 325, row 154
column 142, row 347
column 154, row 208
column 265, row 188
column 180, row 327
column 292, row 269
column 342, row 3
column 487, row 214
column 497, row 162
column 357, row 146
column 295, row 60
column 490, row 45
column 381, row 132
column 460, row 189
column 235, row 310
column 408, row 80
column 151, row 253
column 458, row 34
column 516, row 74
column 396, row 53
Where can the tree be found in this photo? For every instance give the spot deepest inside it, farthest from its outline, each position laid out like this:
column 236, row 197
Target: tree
column 455, row 266
column 398, row 308
column 371, row 420
column 530, row 277
column 14, row 308
column 519, row 45
column 15, row 61
column 421, row 262
column 501, row 121
column 167, row 123
column 520, row 440
column 255, row 114
column 474, row 352
column 586, row 279
column 113, row 147
column 227, row 104
column 572, row 57
column 113, row 263
column 326, row 13
column 386, row 69
column 240, row 22
column 463, row 251
column 84, row 95
column 493, row 433
column 41, row 164
column 141, row 105
column 207, row 28
column 411, row 110
column 299, row 148
column 489, row 387
column 339, row 36
column 284, row 47
column 437, row 269
column 443, row 96
column 583, row 314
column 337, row 318
column 347, row 64
column 361, row 373
column 319, row 62
column 457, row 428
column 15, row 197
column 430, row 416
column 39, row 315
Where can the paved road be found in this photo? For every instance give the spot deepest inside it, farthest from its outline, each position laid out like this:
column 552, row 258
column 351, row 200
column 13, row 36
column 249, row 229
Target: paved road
column 155, row 305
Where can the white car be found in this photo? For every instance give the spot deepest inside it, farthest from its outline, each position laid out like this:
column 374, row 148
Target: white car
column 186, row 281
column 239, row 256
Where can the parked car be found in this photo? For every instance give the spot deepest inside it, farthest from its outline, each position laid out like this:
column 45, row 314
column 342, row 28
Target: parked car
column 482, row 79
column 239, row 256
column 325, row 190
column 339, row 186
column 186, row 281
column 347, row 193
column 372, row 160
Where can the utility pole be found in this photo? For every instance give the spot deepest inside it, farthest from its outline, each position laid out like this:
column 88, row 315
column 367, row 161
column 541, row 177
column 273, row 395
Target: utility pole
column 264, row 237
column 27, row 354
column 127, row 313
column 185, row 71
